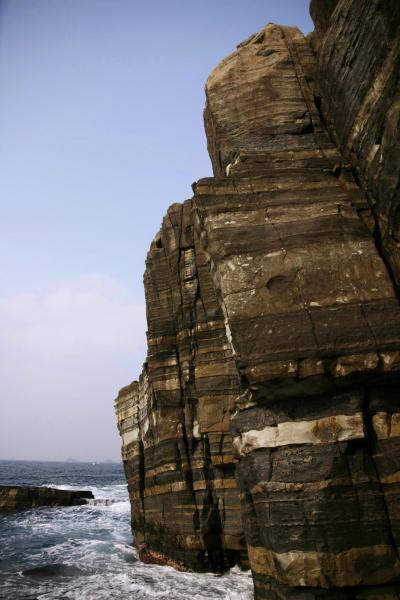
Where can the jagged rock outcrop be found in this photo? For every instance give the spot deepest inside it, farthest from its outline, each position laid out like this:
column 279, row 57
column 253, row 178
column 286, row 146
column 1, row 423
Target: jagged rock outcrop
column 13, row 497
column 274, row 326
column 174, row 422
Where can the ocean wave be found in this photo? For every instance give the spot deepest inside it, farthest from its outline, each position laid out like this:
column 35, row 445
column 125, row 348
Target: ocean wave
column 86, row 552
column 106, row 492
column 142, row 586
column 101, row 502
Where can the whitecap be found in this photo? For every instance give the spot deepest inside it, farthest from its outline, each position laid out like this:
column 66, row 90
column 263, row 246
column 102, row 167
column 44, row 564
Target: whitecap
column 96, row 539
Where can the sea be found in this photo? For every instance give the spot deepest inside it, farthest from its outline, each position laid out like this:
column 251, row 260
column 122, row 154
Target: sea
column 86, row 552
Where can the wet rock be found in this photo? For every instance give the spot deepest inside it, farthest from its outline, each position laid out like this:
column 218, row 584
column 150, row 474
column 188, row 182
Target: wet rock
column 53, row 570
column 27, row 497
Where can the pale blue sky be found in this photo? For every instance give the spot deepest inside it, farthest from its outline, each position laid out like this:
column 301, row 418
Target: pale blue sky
column 101, row 129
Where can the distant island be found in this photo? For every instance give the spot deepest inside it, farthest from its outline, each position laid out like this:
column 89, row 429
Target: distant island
column 107, row 461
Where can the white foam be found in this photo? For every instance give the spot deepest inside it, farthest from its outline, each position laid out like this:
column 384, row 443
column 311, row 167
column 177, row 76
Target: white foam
column 107, row 492
column 141, row 586
column 96, row 539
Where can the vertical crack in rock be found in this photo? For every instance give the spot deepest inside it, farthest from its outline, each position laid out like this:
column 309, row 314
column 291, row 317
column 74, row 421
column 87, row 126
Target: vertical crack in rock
column 192, row 382
column 265, row 427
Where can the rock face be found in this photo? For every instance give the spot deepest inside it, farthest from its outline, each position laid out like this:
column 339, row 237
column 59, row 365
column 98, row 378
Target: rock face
column 26, row 497
column 274, row 325
column 358, row 47
column 174, row 422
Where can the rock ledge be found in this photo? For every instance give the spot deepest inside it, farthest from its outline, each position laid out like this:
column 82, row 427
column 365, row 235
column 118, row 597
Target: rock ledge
column 27, row 497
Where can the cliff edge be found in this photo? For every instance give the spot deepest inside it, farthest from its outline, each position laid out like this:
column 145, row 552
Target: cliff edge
column 264, row 429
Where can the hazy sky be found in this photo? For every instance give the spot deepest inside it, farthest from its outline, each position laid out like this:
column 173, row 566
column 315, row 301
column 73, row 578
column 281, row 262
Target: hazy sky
column 100, row 130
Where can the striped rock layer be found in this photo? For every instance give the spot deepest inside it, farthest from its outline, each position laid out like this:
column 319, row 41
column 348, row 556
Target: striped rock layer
column 174, row 421
column 265, row 426
column 358, row 49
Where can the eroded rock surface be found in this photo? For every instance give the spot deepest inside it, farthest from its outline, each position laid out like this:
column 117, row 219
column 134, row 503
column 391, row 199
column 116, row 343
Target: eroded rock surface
column 27, row 497
column 175, row 421
column 274, row 338
column 358, row 48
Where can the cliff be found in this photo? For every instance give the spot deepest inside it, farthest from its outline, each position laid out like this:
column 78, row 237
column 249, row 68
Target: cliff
column 27, row 497
column 358, row 51
column 265, row 424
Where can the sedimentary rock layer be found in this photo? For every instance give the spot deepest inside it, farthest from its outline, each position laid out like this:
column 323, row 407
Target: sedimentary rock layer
column 174, row 422
column 26, row 497
column 274, row 340
column 358, row 49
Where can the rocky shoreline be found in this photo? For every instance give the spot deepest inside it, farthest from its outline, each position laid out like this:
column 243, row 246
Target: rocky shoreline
column 26, row 497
